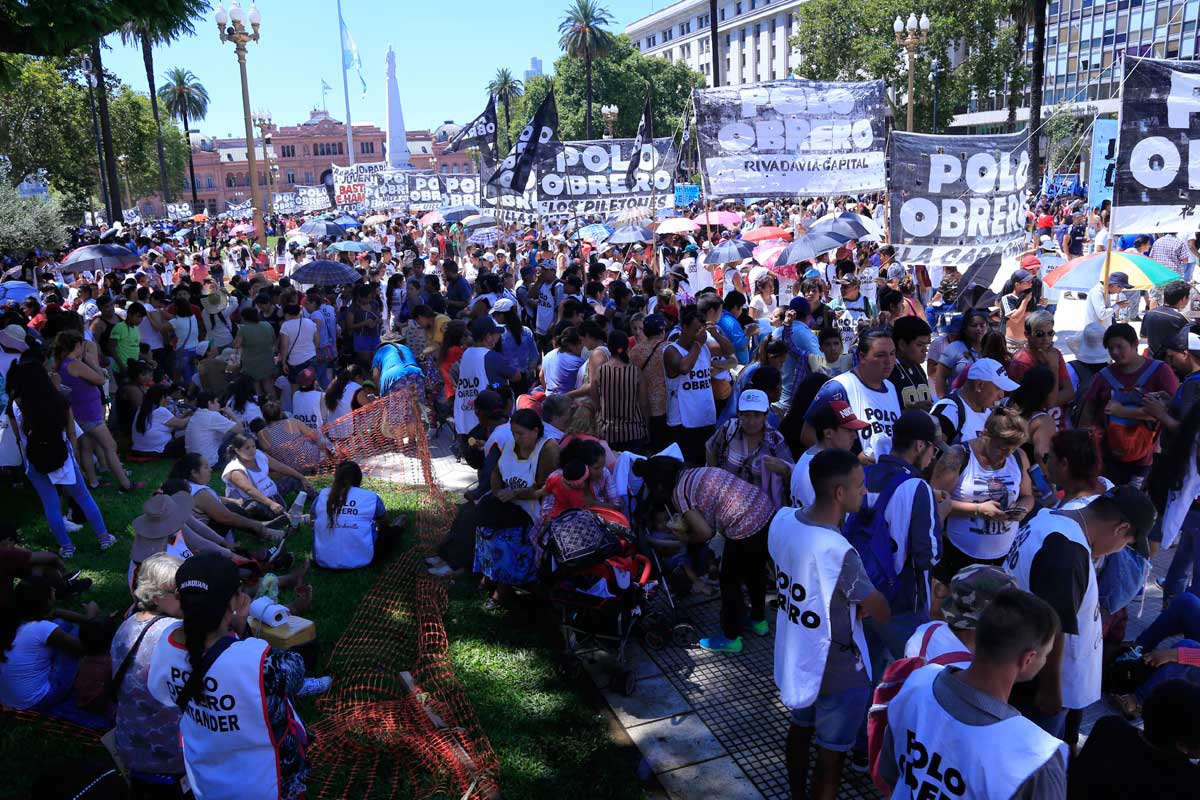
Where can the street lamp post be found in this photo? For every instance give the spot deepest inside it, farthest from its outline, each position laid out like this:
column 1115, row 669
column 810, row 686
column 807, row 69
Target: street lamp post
column 231, row 25
column 609, row 113
column 262, row 121
column 910, row 36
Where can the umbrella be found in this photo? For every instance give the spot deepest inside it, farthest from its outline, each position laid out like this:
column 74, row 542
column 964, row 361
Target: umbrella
column 1081, row 274
column 352, row 247
column 457, row 213
column 720, row 218
column 244, row 228
column 294, row 233
column 322, row 227
column 729, row 251
column 767, row 253
column 200, row 218
column 809, row 247
column 99, row 256
column 181, row 234
column 16, row 292
column 299, row 239
column 676, row 225
column 765, row 233
column 853, row 226
column 324, row 273
column 594, row 232
column 347, row 221
column 630, row 234
column 485, row 236
column 478, row 221
column 376, row 219
column 633, row 215
column 432, row 218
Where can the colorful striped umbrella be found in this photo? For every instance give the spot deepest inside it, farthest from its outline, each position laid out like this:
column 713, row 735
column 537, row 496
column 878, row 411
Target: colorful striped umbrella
column 1081, row 274
column 485, row 236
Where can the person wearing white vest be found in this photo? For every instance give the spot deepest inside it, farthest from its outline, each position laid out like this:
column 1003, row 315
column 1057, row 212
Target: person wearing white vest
column 1052, row 557
column 822, row 665
column 951, row 733
column 306, row 400
column 688, row 364
column 240, row 732
column 348, row 521
column 480, row 366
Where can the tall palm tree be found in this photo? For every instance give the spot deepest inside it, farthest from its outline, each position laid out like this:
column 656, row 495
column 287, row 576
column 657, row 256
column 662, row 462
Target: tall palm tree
column 1037, row 78
column 161, row 27
column 505, row 88
column 185, row 98
column 582, row 36
column 714, row 42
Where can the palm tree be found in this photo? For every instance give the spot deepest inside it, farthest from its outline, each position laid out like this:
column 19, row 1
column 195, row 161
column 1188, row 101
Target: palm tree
column 162, row 27
column 714, row 42
column 1037, row 77
column 505, row 88
column 582, row 36
column 185, row 98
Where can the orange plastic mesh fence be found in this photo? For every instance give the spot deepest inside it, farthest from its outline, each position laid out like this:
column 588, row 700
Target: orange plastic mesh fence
column 41, row 725
column 398, row 723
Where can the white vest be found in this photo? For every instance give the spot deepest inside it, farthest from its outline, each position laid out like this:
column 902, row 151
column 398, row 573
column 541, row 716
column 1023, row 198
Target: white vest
column 259, row 474
column 690, row 400
column 472, row 379
column 177, row 546
column 546, row 307
column 341, row 422
column 808, row 560
column 879, row 410
column 1082, row 652
column 521, row 473
column 350, row 543
column 308, row 407
column 938, row 756
column 228, row 746
column 978, row 536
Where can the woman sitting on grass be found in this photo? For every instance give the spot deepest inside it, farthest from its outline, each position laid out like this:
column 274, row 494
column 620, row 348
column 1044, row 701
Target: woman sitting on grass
column 157, row 431
column 350, row 528
column 248, row 479
column 288, row 440
column 211, row 509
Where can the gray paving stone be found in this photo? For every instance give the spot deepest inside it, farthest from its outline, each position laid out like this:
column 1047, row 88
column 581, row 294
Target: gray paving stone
column 675, row 742
column 601, row 663
column 655, row 698
column 719, row 778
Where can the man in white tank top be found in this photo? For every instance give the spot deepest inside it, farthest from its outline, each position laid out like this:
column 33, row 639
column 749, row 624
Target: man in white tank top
column 691, row 409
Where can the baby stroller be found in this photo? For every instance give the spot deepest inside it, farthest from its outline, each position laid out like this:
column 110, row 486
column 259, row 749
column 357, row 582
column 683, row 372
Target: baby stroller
column 599, row 584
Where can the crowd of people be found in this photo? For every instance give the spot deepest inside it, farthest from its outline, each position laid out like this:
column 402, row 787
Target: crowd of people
column 933, row 487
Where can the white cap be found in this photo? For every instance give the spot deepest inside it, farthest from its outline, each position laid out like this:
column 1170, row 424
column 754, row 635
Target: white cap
column 502, row 305
column 753, row 400
column 489, row 256
column 992, row 371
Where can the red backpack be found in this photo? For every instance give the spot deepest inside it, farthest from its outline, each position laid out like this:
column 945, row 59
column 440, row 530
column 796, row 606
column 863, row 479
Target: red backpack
column 889, row 686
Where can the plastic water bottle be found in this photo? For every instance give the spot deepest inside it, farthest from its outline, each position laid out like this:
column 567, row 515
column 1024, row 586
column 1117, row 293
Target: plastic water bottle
column 296, row 512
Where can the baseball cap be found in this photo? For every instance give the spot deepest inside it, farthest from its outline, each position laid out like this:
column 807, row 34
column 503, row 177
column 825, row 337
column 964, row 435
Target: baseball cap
column 210, row 575
column 753, row 400
column 1119, row 279
column 971, row 591
column 488, row 401
column 307, row 378
column 916, row 425
column 992, row 371
column 502, row 305
column 1029, row 261
column 1138, row 509
column 836, row 414
column 801, row 306
column 691, row 248
column 1046, row 242
column 1022, row 275
column 482, row 326
column 489, row 256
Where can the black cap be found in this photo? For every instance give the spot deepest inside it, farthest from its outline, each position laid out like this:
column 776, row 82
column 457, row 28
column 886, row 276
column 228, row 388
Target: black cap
column 916, row 425
column 482, row 326
column 211, row 575
column 1138, row 509
column 488, row 401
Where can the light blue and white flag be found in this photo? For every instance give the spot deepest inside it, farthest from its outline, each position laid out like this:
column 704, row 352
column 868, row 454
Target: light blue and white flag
column 350, row 59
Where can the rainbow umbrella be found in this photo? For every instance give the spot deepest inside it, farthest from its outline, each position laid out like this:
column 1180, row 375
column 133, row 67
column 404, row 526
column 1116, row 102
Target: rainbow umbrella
column 1081, row 274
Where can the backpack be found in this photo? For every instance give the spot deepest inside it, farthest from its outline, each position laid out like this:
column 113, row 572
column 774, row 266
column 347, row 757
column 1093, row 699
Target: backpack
column 889, row 686
column 867, row 530
column 953, row 434
column 45, row 447
column 1129, row 440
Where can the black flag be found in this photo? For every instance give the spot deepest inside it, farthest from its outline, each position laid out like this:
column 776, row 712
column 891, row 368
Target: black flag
column 643, row 146
column 481, row 130
column 539, row 140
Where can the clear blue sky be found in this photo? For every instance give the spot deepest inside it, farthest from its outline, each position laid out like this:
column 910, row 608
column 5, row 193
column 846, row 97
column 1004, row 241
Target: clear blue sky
column 446, row 52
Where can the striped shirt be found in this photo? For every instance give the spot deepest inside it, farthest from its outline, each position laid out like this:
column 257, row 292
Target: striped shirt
column 728, row 504
column 616, row 383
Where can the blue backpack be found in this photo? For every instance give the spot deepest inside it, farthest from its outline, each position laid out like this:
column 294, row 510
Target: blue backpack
column 867, row 530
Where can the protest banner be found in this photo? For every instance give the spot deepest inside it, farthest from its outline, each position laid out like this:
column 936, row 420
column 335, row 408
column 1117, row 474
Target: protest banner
column 537, row 142
column 239, row 210
column 506, row 208
column 387, row 188
column 1157, row 183
column 793, row 137
column 424, row 191
column 957, row 199
column 588, row 178
column 179, row 210
column 459, row 190
column 312, row 198
column 1102, row 167
column 350, row 184
column 284, row 202
column 686, row 194
column 132, row 216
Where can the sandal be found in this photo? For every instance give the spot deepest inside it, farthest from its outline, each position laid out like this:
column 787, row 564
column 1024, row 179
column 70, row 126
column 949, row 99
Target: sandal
column 133, row 487
column 1128, row 705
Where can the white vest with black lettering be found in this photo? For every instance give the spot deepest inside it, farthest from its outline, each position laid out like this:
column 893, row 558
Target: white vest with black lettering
column 350, row 542
column 307, row 407
column 1083, row 653
column 690, row 400
column 879, row 409
column 808, row 560
column 228, row 746
column 938, row 756
column 472, row 379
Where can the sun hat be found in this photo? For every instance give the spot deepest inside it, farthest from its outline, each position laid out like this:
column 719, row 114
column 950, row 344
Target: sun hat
column 162, row 516
column 13, row 337
column 1088, row 344
column 502, row 305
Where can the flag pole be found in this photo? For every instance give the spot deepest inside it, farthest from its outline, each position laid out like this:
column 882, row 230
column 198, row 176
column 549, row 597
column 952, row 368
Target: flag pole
column 345, row 85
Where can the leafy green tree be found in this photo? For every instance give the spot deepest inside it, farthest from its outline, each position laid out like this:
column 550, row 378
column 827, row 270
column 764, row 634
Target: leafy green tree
column 853, row 40
column 505, row 88
column 135, row 136
column 149, row 31
column 185, row 98
column 583, row 36
column 27, row 222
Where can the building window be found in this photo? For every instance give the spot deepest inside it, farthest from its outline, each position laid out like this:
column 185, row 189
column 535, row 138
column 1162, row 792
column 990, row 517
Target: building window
column 737, row 9
column 367, row 148
column 230, row 181
column 685, row 28
column 208, row 182
column 702, row 21
column 262, row 179
column 667, row 34
column 291, row 177
column 722, row 15
column 651, row 41
column 444, row 169
column 308, row 179
column 685, row 51
column 288, row 151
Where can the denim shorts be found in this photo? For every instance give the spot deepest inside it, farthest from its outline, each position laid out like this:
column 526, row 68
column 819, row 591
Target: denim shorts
column 87, row 427
column 837, row 718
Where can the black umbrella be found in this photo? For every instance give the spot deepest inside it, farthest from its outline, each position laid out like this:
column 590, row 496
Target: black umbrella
column 974, row 288
column 729, row 251
column 324, row 273
column 99, row 256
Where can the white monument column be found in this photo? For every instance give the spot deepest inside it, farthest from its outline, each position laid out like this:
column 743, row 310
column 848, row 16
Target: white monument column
column 397, row 141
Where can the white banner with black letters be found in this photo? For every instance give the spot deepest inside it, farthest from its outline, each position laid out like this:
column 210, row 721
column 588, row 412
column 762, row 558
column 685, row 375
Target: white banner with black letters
column 284, row 202
column 312, row 198
column 957, row 199
column 181, row 210
column 792, row 137
column 588, row 178
column 1157, row 185
column 350, row 184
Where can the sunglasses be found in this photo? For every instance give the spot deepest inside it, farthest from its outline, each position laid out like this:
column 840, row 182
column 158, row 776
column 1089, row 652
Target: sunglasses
column 1043, row 334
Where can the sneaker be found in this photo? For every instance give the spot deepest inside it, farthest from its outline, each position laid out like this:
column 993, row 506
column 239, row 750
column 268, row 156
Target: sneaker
column 71, row 527
column 858, row 761
column 67, row 552
column 759, row 628
column 444, row 571
column 719, row 644
column 433, row 561
column 315, row 686
column 106, row 541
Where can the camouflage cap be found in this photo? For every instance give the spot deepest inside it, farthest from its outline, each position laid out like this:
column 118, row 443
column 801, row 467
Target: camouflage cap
column 971, row 591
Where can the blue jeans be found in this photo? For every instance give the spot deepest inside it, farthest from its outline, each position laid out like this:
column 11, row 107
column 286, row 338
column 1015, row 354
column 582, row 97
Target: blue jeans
column 63, row 669
column 1168, row 671
column 48, row 494
column 1181, row 617
column 185, row 365
column 1185, row 559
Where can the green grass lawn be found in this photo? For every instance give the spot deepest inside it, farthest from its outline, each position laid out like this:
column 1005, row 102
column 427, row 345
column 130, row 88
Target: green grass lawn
column 547, row 735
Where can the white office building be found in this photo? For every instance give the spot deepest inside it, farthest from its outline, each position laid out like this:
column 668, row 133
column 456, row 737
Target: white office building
column 752, row 35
